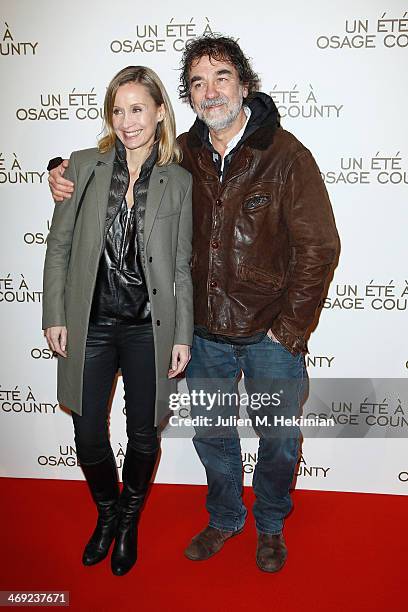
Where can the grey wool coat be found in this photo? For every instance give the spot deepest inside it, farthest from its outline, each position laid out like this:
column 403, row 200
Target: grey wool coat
column 72, row 259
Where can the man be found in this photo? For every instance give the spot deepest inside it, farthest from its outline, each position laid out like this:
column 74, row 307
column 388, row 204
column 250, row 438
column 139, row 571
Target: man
column 264, row 245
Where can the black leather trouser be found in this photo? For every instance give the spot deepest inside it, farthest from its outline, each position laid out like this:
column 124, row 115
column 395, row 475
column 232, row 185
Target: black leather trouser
column 109, row 347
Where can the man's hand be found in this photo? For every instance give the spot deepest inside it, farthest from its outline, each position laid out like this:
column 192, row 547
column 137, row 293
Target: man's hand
column 180, row 356
column 57, row 339
column 60, row 188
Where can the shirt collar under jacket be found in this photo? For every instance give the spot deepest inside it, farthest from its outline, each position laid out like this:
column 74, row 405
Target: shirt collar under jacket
column 231, row 145
column 235, row 139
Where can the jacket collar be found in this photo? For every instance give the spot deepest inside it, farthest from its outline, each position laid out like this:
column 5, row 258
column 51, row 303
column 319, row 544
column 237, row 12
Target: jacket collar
column 105, row 158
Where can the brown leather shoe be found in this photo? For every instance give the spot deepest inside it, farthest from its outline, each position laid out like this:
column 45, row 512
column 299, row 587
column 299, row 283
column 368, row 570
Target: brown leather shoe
column 208, row 542
column 271, row 552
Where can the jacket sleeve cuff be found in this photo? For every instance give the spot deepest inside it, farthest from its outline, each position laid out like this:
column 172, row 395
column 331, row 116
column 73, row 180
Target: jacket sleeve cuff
column 293, row 342
column 184, row 335
column 53, row 322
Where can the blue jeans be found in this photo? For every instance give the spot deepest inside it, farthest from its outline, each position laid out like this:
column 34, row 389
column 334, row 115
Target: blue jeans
column 268, row 368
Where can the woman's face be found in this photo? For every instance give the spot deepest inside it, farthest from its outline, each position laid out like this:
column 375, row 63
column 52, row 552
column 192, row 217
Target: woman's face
column 135, row 116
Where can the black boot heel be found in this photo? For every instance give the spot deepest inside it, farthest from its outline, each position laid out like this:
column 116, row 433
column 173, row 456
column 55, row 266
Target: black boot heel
column 137, row 472
column 102, row 479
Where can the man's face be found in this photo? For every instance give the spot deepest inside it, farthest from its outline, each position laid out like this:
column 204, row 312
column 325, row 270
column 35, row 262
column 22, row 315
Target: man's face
column 216, row 92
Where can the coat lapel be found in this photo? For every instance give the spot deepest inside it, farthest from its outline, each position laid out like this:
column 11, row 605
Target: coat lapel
column 103, row 176
column 157, row 187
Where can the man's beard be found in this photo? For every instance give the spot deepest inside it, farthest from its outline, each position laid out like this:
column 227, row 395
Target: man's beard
column 224, row 120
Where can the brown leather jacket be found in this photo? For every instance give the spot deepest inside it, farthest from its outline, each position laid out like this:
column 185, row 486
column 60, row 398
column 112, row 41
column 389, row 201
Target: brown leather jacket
column 264, row 239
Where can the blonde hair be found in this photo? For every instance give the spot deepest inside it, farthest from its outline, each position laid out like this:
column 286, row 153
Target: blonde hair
column 169, row 151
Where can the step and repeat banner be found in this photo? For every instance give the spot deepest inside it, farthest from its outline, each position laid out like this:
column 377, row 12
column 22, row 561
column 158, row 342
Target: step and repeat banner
column 338, row 77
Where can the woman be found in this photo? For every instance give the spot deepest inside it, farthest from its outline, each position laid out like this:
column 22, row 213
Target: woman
column 118, row 293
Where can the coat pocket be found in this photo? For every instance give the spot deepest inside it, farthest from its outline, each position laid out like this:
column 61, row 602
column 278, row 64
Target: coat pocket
column 270, row 282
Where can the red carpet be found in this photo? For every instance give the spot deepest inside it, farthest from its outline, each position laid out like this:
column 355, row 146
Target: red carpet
column 347, row 551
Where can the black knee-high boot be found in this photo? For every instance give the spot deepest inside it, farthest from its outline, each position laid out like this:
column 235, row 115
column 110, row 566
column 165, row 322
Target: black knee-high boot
column 102, row 479
column 137, row 472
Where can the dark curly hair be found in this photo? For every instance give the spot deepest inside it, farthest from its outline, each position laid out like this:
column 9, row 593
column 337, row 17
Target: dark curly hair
column 221, row 48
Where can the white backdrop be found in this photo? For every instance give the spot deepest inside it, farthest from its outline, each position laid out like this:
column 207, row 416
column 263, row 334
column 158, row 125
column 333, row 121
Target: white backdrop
column 338, row 76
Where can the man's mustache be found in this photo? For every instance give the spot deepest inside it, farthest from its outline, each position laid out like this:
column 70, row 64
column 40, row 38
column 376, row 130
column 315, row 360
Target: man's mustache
column 213, row 102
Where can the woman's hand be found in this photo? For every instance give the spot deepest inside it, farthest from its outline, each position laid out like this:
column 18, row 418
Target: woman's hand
column 57, row 339
column 180, row 356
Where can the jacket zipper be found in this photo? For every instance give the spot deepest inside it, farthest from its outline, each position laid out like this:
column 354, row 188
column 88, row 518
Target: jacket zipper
column 99, row 258
column 122, row 250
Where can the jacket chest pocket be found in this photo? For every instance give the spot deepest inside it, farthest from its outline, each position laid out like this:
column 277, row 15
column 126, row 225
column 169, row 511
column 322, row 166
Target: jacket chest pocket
column 168, row 208
column 260, row 211
column 256, row 202
column 168, row 214
column 170, row 203
column 263, row 197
